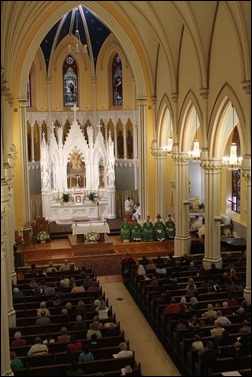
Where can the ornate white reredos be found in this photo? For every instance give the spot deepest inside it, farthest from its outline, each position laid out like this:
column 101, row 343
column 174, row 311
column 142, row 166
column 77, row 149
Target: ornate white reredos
column 78, row 165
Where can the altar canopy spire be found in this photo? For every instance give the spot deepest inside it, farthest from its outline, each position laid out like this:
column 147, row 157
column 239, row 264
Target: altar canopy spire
column 75, row 109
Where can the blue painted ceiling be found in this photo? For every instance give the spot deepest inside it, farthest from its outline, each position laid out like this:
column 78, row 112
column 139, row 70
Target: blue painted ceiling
column 97, row 31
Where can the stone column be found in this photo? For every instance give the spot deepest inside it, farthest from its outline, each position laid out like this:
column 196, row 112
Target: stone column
column 5, row 342
column 135, row 140
column 212, row 172
column 182, row 240
column 7, row 263
column 142, row 108
column 8, row 172
column 246, row 172
column 160, row 182
column 135, row 155
column 24, row 161
column 32, row 143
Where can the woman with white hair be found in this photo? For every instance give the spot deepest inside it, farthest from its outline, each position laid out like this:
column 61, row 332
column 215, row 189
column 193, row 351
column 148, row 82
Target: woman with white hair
column 102, row 310
column 210, row 313
column 17, row 293
column 124, row 351
column 18, row 341
column 44, row 309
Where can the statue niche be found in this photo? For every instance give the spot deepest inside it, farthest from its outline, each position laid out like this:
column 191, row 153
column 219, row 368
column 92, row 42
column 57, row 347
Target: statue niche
column 76, row 170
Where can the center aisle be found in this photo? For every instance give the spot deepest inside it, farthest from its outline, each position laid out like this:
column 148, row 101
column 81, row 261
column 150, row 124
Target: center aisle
column 148, row 350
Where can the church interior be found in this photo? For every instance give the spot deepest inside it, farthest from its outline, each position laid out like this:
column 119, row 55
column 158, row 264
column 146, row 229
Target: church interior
column 105, row 102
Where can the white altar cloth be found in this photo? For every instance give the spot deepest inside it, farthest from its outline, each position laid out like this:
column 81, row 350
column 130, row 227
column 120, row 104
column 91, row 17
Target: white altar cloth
column 92, row 226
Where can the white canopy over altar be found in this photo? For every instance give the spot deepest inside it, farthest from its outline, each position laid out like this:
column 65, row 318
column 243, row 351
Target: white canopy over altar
column 78, row 166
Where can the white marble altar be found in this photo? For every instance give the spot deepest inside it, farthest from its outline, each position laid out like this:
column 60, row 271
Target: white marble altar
column 77, row 166
column 92, row 226
column 69, row 212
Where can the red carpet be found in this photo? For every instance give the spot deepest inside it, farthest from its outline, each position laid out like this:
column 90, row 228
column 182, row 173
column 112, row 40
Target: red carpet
column 103, row 266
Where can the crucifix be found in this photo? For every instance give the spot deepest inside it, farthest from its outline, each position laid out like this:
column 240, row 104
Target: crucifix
column 75, row 109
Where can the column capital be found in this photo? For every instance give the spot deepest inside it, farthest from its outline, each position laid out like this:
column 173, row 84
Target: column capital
column 153, row 100
column 142, row 101
column 211, row 164
column 204, row 93
column 22, row 102
column 246, row 167
column 246, row 86
column 180, row 157
column 174, row 97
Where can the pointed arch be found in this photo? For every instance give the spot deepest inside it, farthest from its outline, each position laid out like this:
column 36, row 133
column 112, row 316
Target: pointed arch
column 186, row 124
column 220, row 127
column 165, row 125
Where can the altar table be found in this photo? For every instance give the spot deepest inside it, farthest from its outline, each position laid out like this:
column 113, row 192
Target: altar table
column 92, row 226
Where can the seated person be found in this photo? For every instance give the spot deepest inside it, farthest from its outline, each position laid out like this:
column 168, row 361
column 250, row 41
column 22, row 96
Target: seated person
column 124, row 352
column 148, row 230
column 17, row 293
column 136, row 231
column 170, row 228
column 159, row 229
column 125, row 231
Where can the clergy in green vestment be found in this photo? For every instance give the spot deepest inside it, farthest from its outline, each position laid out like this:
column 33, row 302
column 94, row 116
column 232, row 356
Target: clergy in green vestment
column 148, row 230
column 170, row 228
column 159, row 229
column 136, row 231
column 125, row 231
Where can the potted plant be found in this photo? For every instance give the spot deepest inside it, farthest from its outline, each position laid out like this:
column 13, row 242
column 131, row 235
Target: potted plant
column 42, row 236
column 65, row 197
column 92, row 195
column 202, row 206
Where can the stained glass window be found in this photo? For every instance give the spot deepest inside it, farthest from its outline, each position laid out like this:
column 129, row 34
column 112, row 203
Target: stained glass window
column 70, row 80
column 117, row 81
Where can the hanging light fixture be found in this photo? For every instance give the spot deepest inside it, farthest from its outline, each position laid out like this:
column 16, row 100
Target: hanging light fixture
column 232, row 162
column 196, row 152
column 78, row 44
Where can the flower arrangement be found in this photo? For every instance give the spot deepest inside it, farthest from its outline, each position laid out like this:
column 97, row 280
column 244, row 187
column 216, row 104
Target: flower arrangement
column 18, row 239
column 42, row 236
column 92, row 195
column 92, row 236
column 66, row 197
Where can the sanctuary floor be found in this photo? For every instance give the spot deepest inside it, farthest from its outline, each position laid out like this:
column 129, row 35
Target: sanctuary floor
column 60, row 249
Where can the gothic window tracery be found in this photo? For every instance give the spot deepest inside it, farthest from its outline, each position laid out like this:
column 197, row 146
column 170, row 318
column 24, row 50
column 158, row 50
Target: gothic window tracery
column 117, row 81
column 70, row 80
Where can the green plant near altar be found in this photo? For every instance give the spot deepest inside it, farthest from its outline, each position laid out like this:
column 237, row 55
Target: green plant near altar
column 92, row 195
column 42, row 236
column 92, row 236
column 66, row 197
column 201, row 206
